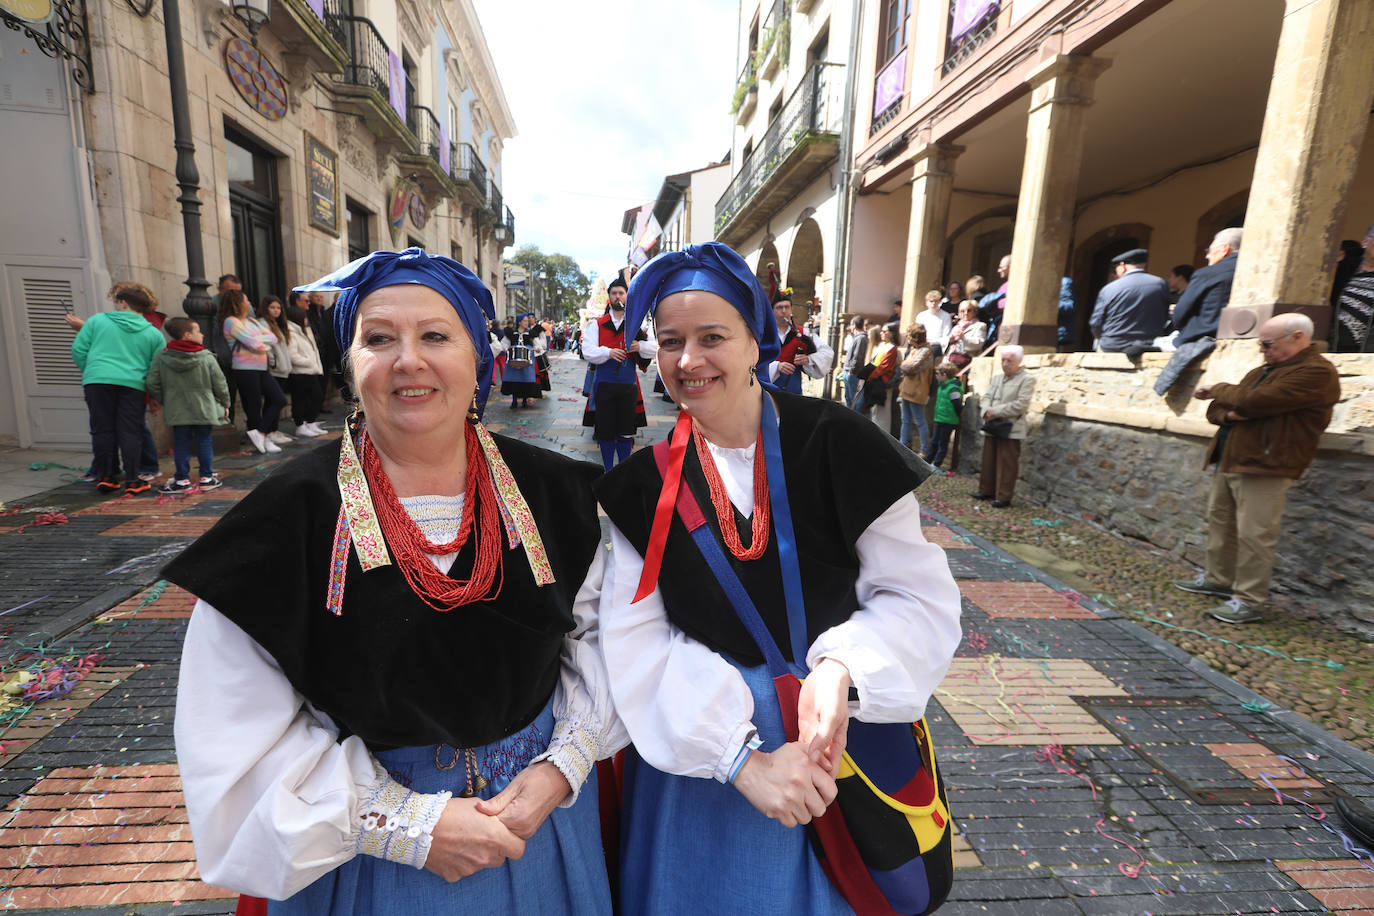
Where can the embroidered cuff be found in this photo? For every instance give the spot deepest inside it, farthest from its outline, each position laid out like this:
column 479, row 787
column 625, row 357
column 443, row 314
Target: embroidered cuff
column 396, row 823
column 726, row 766
column 574, row 749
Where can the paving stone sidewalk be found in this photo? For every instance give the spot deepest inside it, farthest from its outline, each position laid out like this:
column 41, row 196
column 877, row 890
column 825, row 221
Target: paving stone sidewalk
column 1092, row 767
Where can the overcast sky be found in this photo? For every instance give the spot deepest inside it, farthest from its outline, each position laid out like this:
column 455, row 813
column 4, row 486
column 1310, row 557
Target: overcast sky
column 608, row 98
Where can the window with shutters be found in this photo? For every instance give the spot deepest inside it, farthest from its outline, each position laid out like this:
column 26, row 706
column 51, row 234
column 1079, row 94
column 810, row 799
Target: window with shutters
column 50, row 340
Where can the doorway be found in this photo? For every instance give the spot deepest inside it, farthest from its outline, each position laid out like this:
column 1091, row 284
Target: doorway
column 256, row 216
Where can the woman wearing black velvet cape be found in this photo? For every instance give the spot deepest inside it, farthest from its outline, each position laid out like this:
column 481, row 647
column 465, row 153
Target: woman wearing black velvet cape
column 417, row 698
column 713, row 792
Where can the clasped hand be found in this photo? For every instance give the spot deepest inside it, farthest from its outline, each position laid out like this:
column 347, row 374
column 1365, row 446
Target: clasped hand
column 473, row 833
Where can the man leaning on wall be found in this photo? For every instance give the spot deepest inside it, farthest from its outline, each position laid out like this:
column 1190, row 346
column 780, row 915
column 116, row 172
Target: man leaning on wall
column 1199, row 307
column 1269, row 426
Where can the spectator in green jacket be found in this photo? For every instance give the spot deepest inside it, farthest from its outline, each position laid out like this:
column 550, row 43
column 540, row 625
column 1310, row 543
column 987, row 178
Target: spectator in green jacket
column 186, row 380
column 113, row 350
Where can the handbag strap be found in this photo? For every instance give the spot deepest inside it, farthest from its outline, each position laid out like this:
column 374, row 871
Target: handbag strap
column 689, row 510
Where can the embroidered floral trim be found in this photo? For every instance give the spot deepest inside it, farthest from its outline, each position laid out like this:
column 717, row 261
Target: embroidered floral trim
column 338, row 566
column 510, row 757
column 396, row 823
column 357, row 503
column 574, row 749
column 519, row 510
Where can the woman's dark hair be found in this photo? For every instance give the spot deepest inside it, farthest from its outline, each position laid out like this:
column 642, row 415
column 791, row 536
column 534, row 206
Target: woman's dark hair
column 231, row 302
column 135, row 299
column 279, row 324
column 297, row 315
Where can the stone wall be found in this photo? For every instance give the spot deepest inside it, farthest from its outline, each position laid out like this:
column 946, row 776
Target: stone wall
column 1105, row 448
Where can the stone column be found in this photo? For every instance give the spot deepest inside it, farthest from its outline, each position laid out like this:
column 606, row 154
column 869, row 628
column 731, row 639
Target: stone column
column 1314, row 123
column 1061, row 91
column 927, row 231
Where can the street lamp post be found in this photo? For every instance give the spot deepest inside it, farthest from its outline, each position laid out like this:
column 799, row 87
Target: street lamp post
column 197, row 301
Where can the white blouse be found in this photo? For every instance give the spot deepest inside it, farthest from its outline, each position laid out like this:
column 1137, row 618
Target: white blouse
column 689, row 711
column 594, row 353
column 276, row 800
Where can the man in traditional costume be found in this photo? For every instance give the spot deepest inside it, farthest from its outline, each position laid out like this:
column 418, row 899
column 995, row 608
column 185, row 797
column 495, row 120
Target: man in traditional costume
column 800, row 352
column 617, row 407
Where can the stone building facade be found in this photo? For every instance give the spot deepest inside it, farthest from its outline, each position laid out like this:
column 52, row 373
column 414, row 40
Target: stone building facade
column 335, row 128
column 1063, row 133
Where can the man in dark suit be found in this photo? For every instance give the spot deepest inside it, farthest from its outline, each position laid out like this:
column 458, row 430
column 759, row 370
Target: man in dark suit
column 1199, row 308
column 1131, row 310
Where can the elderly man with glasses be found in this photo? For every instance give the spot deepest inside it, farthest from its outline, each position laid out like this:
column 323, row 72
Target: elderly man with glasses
column 1268, row 429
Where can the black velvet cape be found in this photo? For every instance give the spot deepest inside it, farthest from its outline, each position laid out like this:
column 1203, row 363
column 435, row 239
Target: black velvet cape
column 842, row 473
column 391, row 669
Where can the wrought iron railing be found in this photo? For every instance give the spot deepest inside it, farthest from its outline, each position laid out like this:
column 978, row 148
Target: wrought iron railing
column 963, row 45
column 748, row 82
column 465, row 166
column 333, row 21
column 369, row 59
column 425, row 126
column 510, row 222
column 815, row 107
column 495, row 202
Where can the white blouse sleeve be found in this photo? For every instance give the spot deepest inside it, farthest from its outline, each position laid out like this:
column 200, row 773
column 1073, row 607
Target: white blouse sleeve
column 540, row 345
column 592, row 351
column 648, row 349
column 821, row 361
column 686, row 708
column 586, row 728
column 899, row 643
column 275, row 800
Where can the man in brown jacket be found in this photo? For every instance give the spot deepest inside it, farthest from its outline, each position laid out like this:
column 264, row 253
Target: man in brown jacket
column 1269, row 426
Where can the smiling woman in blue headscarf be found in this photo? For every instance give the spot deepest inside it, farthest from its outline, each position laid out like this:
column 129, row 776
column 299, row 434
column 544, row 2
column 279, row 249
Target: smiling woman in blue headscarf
column 713, row 789
column 413, row 697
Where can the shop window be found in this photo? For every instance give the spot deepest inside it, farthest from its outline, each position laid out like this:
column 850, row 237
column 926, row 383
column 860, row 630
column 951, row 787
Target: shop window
column 359, row 229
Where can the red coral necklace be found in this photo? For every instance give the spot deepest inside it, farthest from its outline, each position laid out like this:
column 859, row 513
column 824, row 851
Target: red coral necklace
column 725, row 510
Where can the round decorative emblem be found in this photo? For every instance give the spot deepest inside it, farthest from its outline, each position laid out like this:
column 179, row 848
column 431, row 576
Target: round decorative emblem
column 256, row 80
column 417, row 210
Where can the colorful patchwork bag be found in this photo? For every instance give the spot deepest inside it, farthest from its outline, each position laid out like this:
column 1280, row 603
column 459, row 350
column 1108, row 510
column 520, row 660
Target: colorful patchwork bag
column 886, row 842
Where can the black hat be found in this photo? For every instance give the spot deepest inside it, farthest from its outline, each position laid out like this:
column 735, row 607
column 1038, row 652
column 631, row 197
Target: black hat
column 784, row 294
column 618, row 281
column 1134, row 256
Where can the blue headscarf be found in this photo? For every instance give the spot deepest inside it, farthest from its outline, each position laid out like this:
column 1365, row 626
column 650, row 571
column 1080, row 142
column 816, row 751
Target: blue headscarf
column 469, row 297
column 711, row 267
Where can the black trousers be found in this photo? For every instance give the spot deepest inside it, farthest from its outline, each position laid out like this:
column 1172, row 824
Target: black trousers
column 116, row 427
column 307, row 395
column 261, row 396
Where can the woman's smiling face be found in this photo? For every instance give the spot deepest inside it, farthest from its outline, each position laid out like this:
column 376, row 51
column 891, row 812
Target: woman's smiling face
column 705, row 352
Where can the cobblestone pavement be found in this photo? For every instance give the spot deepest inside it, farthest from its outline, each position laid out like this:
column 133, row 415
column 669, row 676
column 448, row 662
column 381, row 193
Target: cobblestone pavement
column 1092, row 766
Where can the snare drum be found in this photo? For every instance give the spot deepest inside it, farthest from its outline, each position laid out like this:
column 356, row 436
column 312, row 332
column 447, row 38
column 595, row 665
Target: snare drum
column 519, row 357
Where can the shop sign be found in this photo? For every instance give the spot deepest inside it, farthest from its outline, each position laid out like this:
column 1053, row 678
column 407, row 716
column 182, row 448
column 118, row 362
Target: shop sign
column 34, row 12
column 396, row 211
column 322, row 164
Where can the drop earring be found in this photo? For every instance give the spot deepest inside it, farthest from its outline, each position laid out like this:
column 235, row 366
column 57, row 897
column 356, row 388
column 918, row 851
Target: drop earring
column 751, row 376
column 473, row 415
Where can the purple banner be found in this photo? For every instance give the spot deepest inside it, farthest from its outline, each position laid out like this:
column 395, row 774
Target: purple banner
column 889, row 85
column 316, row 7
column 445, row 154
column 966, row 15
column 398, row 85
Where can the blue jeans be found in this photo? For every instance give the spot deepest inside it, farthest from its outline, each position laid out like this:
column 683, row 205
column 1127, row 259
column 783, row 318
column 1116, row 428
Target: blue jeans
column 851, row 388
column 186, row 436
column 913, row 413
column 942, row 433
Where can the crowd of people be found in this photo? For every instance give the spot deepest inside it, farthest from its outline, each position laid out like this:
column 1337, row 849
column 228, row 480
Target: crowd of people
column 424, row 704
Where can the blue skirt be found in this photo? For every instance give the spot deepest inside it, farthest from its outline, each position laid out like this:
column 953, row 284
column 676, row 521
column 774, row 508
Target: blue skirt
column 563, row 870
column 694, row 845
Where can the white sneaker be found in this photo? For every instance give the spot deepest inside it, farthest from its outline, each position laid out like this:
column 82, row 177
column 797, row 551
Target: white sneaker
column 279, row 437
column 315, row 425
column 259, row 441
column 307, row 430
column 271, row 446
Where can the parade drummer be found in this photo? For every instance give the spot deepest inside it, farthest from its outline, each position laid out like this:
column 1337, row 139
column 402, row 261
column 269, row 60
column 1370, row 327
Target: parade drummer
column 617, row 407
column 798, row 352
column 712, row 786
column 521, row 377
column 412, row 695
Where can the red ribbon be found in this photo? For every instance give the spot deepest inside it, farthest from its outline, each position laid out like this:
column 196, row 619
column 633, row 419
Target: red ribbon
column 663, row 512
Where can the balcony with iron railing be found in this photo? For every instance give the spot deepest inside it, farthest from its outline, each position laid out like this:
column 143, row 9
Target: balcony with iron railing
column 776, row 38
column 364, row 86
column 509, row 223
column 746, row 90
column 971, row 26
column 309, row 35
column 466, row 169
column 495, row 204
column 800, row 143
column 427, row 165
